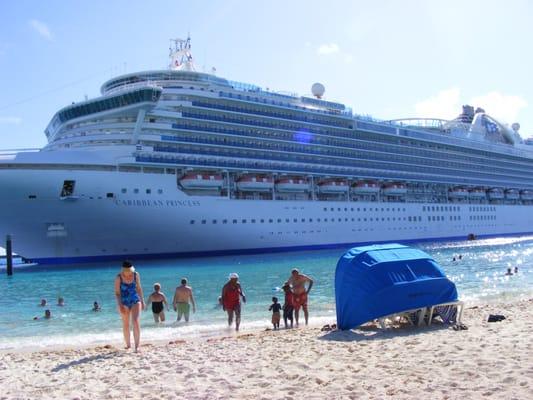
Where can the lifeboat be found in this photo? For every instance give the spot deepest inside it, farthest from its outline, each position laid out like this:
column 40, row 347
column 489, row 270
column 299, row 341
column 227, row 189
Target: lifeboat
column 333, row 186
column 255, row 183
column 526, row 195
column 496, row 194
column 197, row 180
column 292, row 185
column 365, row 188
column 477, row 193
column 512, row 194
column 458, row 193
column 394, row 189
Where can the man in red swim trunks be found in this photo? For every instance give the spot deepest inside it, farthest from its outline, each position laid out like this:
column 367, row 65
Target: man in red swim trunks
column 300, row 293
column 231, row 299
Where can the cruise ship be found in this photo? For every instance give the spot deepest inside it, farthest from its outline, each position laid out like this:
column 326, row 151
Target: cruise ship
column 177, row 162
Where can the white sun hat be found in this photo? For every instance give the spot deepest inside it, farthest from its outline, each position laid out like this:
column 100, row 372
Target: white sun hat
column 233, row 275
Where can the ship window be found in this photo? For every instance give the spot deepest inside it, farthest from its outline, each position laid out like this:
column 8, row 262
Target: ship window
column 234, row 221
column 325, row 209
column 135, row 190
column 124, row 190
column 325, row 220
column 243, row 221
column 253, row 221
column 262, row 221
column 68, row 188
column 270, row 221
column 32, row 196
column 287, row 220
column 279, row 220
column 192, row 222
column 110, row 195
column 214, row 221
column 310, row 219
column 295, row 220
column 160, row 191
column 148, row 191
column 224, row 221
column 204, row 221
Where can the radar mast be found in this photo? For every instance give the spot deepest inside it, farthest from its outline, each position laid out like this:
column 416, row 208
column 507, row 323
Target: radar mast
column 180, row 55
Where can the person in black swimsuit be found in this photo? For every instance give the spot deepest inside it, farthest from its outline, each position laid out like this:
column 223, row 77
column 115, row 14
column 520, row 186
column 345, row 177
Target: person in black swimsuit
column 159, row 303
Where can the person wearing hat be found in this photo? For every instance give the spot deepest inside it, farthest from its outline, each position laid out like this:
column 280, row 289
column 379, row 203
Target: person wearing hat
column 231, row 299
column 130, row 301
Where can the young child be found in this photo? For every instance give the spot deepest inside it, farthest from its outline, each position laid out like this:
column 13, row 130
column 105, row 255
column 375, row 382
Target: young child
column 275, row 307
column 288, row 307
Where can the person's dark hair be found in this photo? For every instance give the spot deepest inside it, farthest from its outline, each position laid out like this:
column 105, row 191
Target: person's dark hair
column 183, row 281
column 295, row 270
column 274, row 299
column 126, row 264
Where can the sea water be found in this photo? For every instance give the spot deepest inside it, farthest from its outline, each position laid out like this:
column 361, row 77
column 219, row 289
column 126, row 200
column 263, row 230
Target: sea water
column 479, row 276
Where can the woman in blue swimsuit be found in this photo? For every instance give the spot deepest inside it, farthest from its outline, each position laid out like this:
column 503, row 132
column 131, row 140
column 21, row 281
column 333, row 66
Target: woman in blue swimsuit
column 130, row 300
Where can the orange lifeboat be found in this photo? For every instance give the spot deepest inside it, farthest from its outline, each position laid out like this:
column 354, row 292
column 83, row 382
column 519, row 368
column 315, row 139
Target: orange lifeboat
column 255, row 183
column 370, row 187
column 512, row 194
column 292, row 185
column 199, row 180
column 395, row 189
column 458, row 193
column 496, row 194
column 477, row 193
column 333, row 186
column 526, row 195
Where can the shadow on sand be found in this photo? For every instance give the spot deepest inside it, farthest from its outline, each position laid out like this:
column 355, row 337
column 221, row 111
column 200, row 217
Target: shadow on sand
column 86, row 360
column 373, row 332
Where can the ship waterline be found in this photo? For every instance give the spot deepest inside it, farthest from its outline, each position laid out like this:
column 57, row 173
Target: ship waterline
column 179, row 162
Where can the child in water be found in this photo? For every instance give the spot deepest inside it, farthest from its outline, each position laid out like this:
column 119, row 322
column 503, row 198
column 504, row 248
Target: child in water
column 275, row 307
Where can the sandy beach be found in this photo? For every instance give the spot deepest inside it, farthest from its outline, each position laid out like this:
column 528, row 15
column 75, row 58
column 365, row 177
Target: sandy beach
column 489, row 360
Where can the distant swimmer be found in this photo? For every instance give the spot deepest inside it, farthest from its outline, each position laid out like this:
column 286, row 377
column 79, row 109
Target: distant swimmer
column 159, row 303
column 509, row 272
column 183, row 298
column 231, row 299
column 96, row 306
column 300, row 293
column 60, row 301
column 460, row 256
column 516, row 270
column 453, row 259
column 43, row 303
column 47, row 315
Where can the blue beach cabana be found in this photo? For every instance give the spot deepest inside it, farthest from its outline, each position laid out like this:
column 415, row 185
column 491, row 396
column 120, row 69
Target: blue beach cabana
column 372, row 282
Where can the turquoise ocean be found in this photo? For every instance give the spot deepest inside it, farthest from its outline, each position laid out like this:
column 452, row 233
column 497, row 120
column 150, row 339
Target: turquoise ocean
column 479, row 277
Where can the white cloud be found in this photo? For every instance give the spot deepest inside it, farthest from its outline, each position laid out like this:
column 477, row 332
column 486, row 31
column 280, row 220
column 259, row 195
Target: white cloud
column 447, row 105
column 444, row 105
column 500, row 106
column 328, row 48
column 41, row 28
column 10, row 120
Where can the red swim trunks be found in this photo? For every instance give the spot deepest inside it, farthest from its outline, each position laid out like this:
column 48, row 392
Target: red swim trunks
column 300, row 300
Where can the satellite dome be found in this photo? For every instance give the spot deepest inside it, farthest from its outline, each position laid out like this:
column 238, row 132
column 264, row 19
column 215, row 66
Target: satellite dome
column 515, row 126
column 318, row 90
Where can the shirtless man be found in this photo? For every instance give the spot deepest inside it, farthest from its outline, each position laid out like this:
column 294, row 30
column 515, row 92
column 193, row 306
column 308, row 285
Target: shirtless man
column 300, row 293
column 159, row 303
column 231, row 299
column 182, row 297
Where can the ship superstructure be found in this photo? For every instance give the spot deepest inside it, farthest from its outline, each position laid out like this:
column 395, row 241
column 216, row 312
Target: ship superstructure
column 180, row 162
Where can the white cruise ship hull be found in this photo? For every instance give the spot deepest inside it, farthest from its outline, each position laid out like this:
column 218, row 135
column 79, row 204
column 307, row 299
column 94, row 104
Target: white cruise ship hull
column 167, row 222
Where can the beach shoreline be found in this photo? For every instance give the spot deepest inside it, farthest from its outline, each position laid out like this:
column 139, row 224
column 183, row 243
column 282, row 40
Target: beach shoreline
column 492, row 360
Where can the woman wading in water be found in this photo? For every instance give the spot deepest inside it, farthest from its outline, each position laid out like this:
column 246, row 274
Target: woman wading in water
column 130, row 300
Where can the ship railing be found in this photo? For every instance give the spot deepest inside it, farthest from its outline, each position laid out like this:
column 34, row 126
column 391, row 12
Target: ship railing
column 13, row 152
column 132, row 86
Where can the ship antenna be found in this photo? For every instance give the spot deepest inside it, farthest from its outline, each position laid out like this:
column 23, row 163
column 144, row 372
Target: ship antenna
column 180, row 55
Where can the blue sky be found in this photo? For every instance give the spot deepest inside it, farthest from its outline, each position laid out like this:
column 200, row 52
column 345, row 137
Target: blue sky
column 388, row 59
